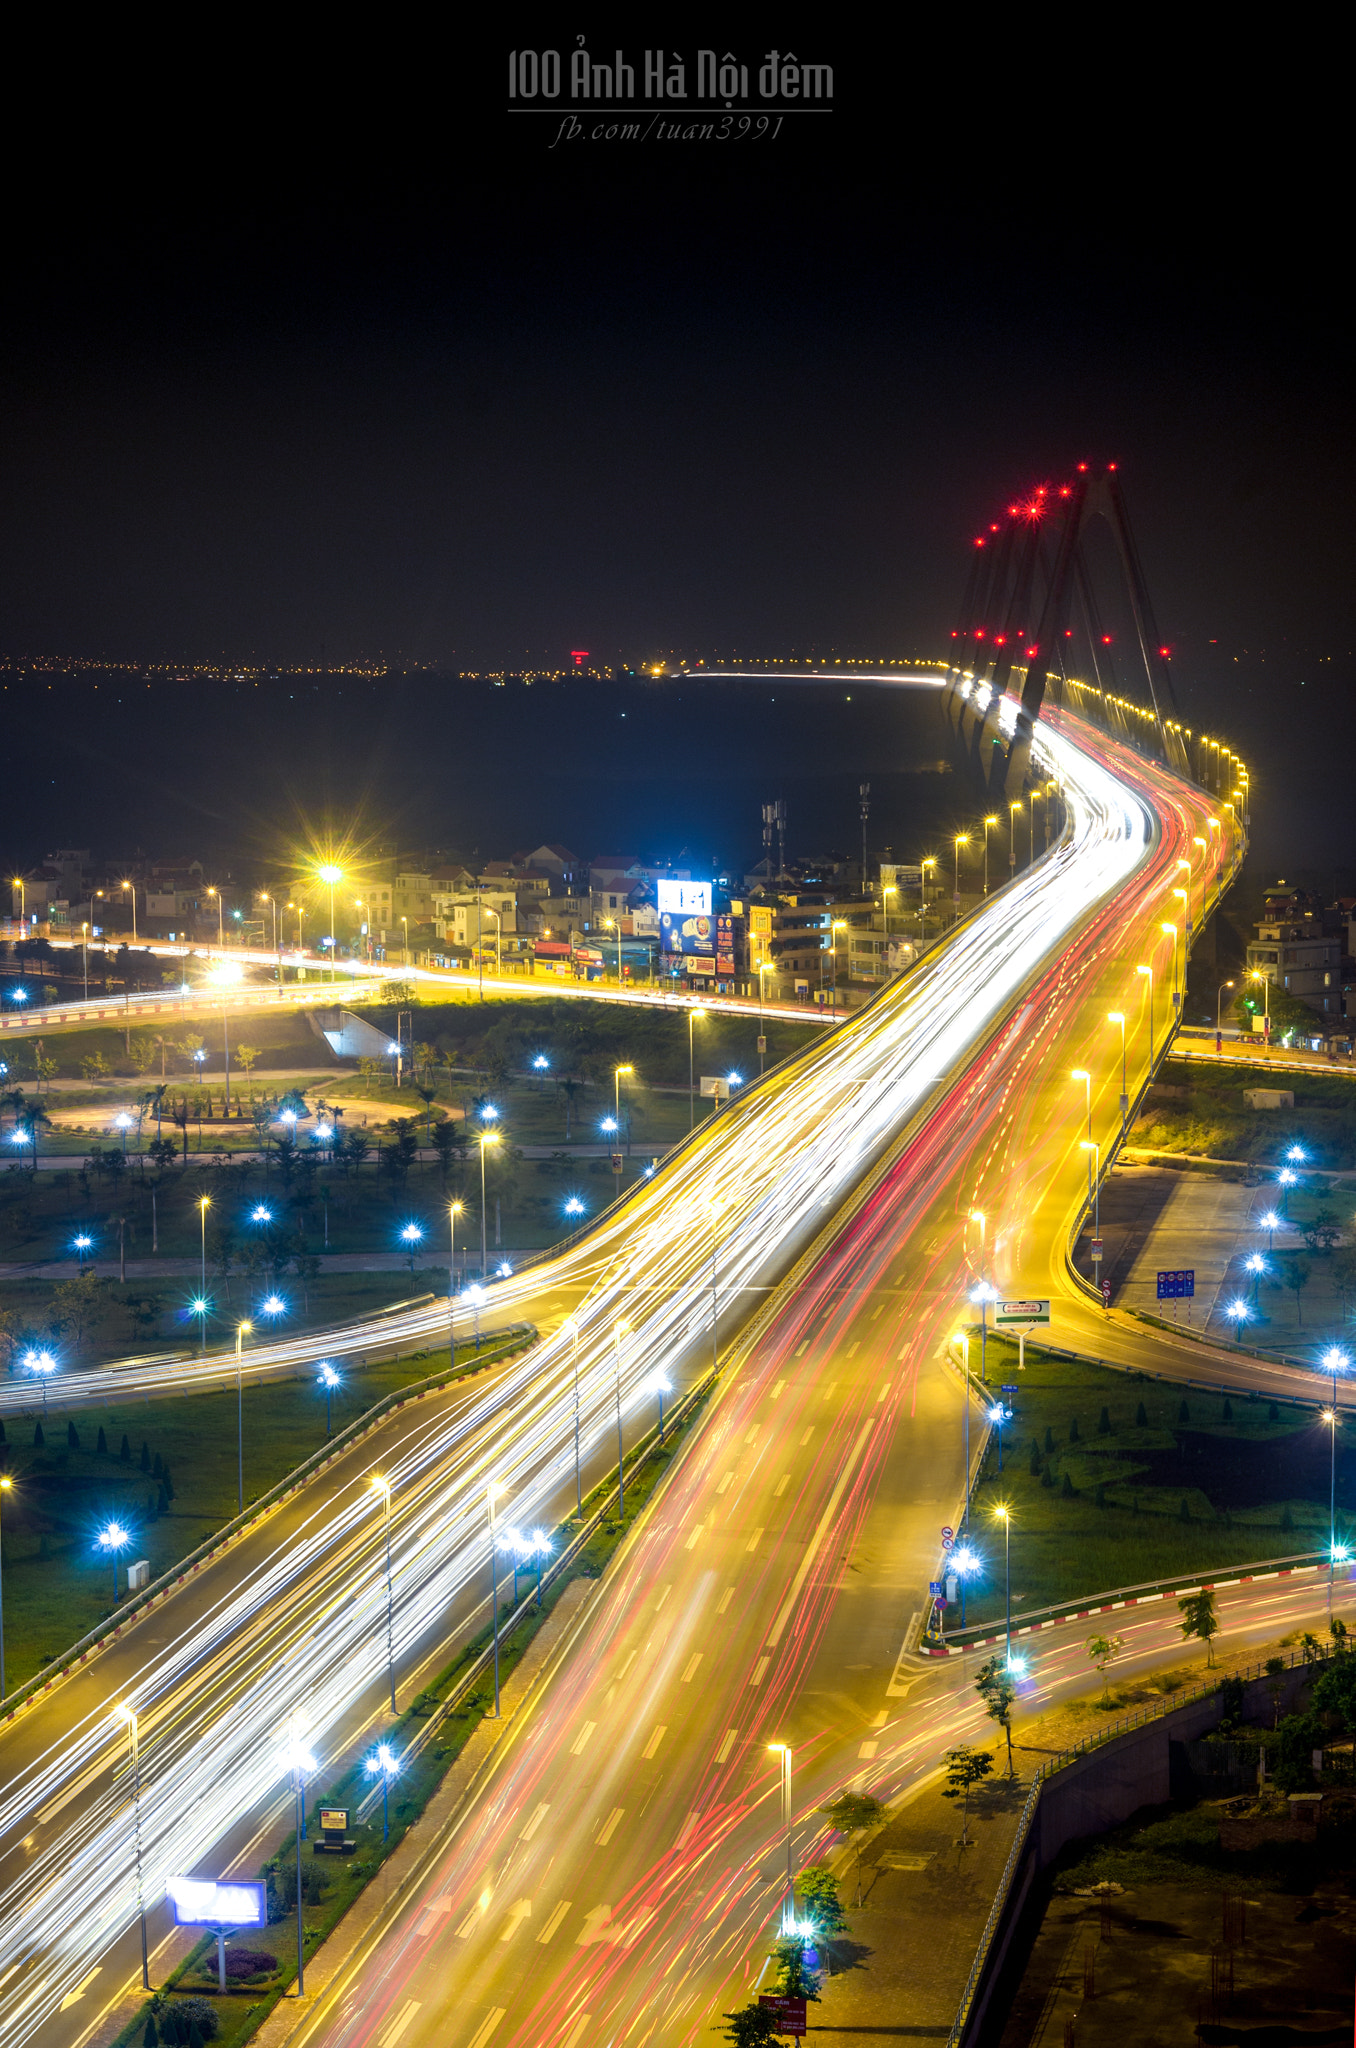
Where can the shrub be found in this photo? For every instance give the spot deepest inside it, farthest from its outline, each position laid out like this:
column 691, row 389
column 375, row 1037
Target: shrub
column 125, row 1451
column 102, row 1445
column 1049, row 1438
column 1035, row 1459
column 72, row 1437
column 249, row 1962
column 1047, row 1477
column 1104, row 1423
column 39, row 1440
column 1141, row 1417
column 1287, row 1519
column 193, row 2012
column 145, row 1456
column 1273, row 1412
column 1067, row 1490
column 1073, row 1430
column 1184, row 1413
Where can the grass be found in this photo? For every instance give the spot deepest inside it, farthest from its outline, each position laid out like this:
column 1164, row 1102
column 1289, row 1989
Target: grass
column 452, row 1720
column 1212, row 1118
column 1150, row 1499
column 58, row 1586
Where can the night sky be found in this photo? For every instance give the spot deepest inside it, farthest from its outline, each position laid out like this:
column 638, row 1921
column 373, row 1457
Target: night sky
column 378, row 380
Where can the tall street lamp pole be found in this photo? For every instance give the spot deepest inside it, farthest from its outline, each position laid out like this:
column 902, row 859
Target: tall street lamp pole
column 1149, row 973
column 783, row 1750
column 1095, row 1165
column 764, row 967
column 961, row 839
column 1005, row 1518
column 1118, row 1017
column 204, row 1204
column 6, row 1486
column 242, row 1330
column 382, row 1485
column 1082, row 1074
column 453, row 1211
column 1219, row 1008
column 133, row 888
column 332, row 876
column 988, row 823
column 694, row 1016
column 129, row 1719
column 617, row 1073
column 485, row 1138
column 1013, row 809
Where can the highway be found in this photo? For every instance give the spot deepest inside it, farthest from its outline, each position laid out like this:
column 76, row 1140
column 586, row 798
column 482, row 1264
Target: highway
column 969, row 1055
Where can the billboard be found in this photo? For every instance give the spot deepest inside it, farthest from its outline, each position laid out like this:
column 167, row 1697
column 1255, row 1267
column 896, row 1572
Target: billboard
column 725, row 961
column 215, row 1902
column 1020, row 1315
column 684, row 899
column 693, row 932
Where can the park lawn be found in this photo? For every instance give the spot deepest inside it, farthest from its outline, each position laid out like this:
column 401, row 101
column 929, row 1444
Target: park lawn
column 58, row 1586
column 1227, row 1482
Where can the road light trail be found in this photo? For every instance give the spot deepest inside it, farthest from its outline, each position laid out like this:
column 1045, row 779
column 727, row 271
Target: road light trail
column 773, row 1170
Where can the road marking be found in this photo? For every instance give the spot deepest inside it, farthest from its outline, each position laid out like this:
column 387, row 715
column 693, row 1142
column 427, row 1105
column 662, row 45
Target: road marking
column 868, row 1749
column 829, row 1390
column 801, row 1349
column 581, row 1739
column 759, row 1668
column 686, row 1829
column 538, row 1817
column 491, row 2023
column 780, row 1488
column 691, row 1671
column 594, row 1924
column 726, row 1597
column 572, row 2039
column 752, row 1434
column 884, row 1391
column 553, row 1923
column 727, row 1743
column 662, row 1598
column 652, row 1746
column 876, row 1312
column 725, row 1482
column 825, row 1523
column 752, row 1544
column 433, row 1913
column 609, row 1827
column 691, row 1543
column 808, row 1434
column 81, row 1988
column 776, row 1390
column 520, row 1910
column 397, row 2026
column 470, row 1923
column 853, row 1347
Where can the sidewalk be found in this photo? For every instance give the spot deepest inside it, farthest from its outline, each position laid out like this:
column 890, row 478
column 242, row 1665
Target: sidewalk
column 907, row 1954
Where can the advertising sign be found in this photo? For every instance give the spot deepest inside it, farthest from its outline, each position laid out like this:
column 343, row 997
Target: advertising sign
column 211, row 1902
column 1178, row 1286
column 788, row 2014
column 684, row 899
column 725, row 963
column 691, row 932
column 695, row 964
column 334, row 1819
column 1021, row 1314
column 716, row 1085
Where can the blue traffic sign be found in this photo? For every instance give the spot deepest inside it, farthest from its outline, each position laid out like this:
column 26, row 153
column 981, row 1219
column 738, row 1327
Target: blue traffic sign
column 1177, row 1286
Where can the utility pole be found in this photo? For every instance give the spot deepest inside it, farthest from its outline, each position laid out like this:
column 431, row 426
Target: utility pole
column 864, row 798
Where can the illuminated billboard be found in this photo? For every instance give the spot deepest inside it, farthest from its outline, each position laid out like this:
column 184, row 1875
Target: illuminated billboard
column 695, row 934
column 216, row 1902
column 684, row 899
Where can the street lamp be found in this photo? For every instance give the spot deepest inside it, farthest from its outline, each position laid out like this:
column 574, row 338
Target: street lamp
column 983, row 1294
column 929, row 861
column 783, row 1750
column 998, row 1415
column 617, row 1073
column 221, row 921
column 1004, row 1515
column 1256, row 1265
column 485, row 1138
column 133, row 888
column 204, row 1204
column 988, row 823
column 1169, row 931
column 1265, row 980
column 1082, row 1074
column 961, row 839
column 836, row 924
column 6, row 1486
column 764, row 967
column 453, row 1211
column 1237, row 1312
column 617, row 1329
column 493, row 1491
column 1271, row 1223
column 412, row 1236
column 380, row 1484
column 659, row 1385
column 332, row 876
column 329, row 1380
column 114, row 1538
column 1118, row 1017
column 614, row 924
column 1013, row 809
column 300, row 1761
column 694, row 1016
column 42, row 1363
column 1095, row 1168
column 83, row 1243
column 383, row 1764
column 241, row 1332
column 1219, row 1008
column 125, row 1714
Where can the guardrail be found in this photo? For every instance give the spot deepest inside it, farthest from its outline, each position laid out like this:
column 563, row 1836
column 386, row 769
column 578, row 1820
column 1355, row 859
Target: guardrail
column 131, row 1008
column 519, row 1338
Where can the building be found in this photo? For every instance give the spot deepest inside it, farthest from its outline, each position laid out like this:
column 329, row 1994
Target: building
column 1295, row 953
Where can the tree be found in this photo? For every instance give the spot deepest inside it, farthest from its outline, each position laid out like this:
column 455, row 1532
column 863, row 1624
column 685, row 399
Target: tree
column 180, row 1116
column 94, row 1066
column 245, row 1056
column 797, row 1979
column 1102, row 1649
column 750, row 2026
column 995, row 1686
column 819, row 1900
column 1199, row 1620
column 370, row 1070
column 75, row 1306
column 849, row 1815
column 141, row 1051
column 448, row 1139
column 1322, row 1233
column 965, row 1768
column 1295, row 1272
column 356, row 1147
column 162, row 1153
column 1344, row 1276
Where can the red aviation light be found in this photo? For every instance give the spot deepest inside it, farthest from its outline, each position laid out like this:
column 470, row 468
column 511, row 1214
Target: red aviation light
column 1082, row 468
column 1000, row 639
column 1033, row 650
column 995, row 528
column 1166, row 653
column 1106, row 639
column 1068, row 632
column 1113, row 465
column 1014, row 510
column 1064, row 491
column 979, row 541
column 979, row 632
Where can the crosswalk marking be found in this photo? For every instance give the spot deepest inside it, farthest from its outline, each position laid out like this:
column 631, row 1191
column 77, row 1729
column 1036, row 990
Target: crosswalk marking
column 393, row 2030
column 554, row 1921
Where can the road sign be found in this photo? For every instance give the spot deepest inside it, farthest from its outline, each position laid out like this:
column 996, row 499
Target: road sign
column 1022, row 1314
column 616, row 1162
column 1177, row 1286
column 788, row 2013
column 1009, row 1387
column 935, row 1589
column 1106, row 1291
column 947, row 1542
column 940, row 1601
column 1097, row 1247
column 948, row 1533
